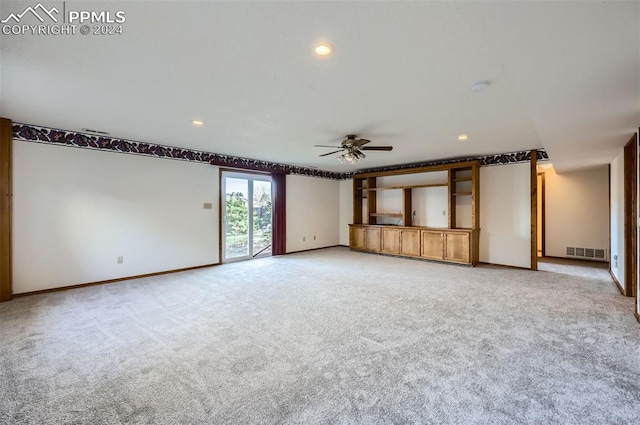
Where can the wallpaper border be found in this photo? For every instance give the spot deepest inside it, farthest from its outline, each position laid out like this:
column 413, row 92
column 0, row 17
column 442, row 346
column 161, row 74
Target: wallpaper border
column 39, row 134
column 485, row 161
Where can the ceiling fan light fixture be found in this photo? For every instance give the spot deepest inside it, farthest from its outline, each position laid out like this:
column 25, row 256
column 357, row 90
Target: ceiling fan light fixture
column 352, row 156
column 351, row 149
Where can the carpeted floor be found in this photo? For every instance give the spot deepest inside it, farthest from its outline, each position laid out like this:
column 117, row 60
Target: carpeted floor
column 325, row 337
column 577, row 268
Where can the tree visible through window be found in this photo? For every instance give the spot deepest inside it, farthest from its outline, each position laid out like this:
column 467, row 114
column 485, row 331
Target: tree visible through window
column 261, row 216
column 237, row 212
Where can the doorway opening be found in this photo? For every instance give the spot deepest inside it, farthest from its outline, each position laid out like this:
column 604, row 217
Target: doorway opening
column 246, row 226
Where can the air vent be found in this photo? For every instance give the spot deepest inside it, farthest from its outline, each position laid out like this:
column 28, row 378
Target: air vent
column 102, row 133
column 587, row 253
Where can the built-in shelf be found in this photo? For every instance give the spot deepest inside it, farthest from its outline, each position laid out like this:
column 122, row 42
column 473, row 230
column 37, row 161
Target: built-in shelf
column 453, row 243
column 416, row 186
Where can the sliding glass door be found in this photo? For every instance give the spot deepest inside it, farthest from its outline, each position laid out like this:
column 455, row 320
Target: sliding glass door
column 246, row 221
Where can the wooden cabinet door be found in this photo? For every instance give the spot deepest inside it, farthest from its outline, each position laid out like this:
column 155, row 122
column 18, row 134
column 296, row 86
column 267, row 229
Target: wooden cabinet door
column 432, row 244
column 410, row 242
column 372, row 239
column 457, row 247
column 357, row 237
column 390, row 241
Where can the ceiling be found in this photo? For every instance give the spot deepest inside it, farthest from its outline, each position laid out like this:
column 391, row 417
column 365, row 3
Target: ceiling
column 564, row 76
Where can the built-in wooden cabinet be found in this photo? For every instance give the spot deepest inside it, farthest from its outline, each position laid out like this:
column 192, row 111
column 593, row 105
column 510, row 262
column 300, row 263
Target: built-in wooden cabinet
column 400, row 241
column 365, row 238
column 410, row 242
column 357, row 237
column 373, row 239
column 455, row 243
column 390, row 240
column 457, row 246
column 432, row 244
column 450, row 245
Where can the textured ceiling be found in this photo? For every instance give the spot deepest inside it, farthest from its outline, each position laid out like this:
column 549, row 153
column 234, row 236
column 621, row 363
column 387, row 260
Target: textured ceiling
column 564, row 76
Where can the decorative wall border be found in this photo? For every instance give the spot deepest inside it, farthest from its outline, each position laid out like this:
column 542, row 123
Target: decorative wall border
column 38, row 134
column 485, row 161
column 33, row 133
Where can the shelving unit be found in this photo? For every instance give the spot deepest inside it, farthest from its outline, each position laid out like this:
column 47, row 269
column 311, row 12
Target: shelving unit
column 464, row 181
column 415, row 186
column 455, row 243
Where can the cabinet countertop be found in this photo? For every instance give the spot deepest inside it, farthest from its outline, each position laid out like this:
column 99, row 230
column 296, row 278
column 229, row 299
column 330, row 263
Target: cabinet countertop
column 434, row 229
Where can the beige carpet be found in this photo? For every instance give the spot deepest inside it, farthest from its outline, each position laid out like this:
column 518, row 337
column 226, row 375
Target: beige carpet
column 328, row 336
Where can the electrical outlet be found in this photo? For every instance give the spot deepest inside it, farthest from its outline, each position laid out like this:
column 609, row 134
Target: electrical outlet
column 120, row 259
column 314, row 237
column 444, row 212
column 304, row 239
column 208, row 205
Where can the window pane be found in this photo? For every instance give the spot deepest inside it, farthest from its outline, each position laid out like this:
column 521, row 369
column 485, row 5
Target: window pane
column 261, row 217
column 236, row 221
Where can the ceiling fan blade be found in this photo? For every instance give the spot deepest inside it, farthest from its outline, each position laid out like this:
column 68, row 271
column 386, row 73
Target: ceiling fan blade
column 360, row 142
column 327, row 146
column 331, row 153
column 377, row 148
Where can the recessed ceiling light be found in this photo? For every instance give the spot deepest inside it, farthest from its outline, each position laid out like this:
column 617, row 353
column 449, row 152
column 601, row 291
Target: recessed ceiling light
column 480, row 86
column 323, row 49
column 197, row 123
column 463, row 137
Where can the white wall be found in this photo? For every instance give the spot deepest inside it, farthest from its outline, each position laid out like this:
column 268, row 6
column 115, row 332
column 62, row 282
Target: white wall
column 576, row 210
column 505, row 215
column 617, row 218
column 313, row 209
column 76, row 210
column 429, row 204
column 346, row 210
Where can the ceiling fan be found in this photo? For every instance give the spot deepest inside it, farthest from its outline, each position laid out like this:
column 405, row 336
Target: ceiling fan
column 352, row 147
